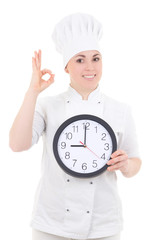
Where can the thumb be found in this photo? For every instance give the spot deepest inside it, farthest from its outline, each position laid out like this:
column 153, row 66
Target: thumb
column 47, row 83
column 44, row 71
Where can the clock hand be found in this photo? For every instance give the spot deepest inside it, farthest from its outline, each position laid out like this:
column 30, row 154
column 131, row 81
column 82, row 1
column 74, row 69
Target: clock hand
column 76, row 146
column 90, row 150
column 85, row 129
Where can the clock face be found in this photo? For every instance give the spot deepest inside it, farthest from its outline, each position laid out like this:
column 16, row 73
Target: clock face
column 83, row 145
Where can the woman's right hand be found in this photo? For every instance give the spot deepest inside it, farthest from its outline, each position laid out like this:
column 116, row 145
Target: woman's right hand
column 38, row 84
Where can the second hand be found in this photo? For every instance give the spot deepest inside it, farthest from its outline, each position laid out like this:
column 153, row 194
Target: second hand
column 90, row 150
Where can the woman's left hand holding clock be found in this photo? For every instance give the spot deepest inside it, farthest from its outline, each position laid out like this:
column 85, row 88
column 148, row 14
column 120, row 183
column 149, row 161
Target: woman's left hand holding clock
column 119, row 161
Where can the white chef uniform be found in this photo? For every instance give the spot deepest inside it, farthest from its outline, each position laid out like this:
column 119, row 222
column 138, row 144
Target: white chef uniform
column 73, row 207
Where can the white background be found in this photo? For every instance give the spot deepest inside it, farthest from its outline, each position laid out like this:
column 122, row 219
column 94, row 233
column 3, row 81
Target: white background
column 131, row 61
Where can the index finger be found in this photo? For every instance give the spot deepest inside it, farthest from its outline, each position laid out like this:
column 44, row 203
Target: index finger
column 39, row 57
column 117, row 153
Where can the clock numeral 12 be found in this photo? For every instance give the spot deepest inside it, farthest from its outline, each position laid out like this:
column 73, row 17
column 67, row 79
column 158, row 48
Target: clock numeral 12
column 87, row 124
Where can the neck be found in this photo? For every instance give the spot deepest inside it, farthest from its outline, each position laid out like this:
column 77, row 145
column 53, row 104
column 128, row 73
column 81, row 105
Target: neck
column 85, row 96
column 83, row 92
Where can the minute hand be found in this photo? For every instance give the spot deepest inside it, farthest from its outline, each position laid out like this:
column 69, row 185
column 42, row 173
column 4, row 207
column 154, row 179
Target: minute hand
column 85, row 130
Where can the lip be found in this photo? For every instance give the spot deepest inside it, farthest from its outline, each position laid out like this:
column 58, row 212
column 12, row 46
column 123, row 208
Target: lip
column 89, row 76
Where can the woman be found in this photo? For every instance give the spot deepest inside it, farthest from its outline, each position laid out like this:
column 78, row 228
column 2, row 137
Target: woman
column 66, row 206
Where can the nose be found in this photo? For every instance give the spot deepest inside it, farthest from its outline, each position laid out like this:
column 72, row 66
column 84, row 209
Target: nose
column 89, row 65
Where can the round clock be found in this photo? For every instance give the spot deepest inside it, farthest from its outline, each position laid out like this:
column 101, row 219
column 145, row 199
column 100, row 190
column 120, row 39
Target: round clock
column 83, row 145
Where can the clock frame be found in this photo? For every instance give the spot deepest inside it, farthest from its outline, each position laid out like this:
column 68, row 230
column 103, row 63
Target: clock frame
column 83, row 117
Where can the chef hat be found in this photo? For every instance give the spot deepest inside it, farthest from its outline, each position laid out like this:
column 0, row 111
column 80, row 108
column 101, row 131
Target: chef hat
column 76, row 33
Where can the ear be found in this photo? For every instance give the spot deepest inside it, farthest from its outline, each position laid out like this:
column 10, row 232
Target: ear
column 66, row 70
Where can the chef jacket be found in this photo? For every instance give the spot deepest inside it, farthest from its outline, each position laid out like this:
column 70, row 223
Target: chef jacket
column 76, row 207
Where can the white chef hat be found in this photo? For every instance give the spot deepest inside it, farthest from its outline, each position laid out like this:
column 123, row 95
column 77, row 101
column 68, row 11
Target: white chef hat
column 76, row 33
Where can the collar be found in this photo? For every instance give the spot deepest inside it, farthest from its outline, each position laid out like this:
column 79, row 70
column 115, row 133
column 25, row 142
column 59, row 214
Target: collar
column 93, row 96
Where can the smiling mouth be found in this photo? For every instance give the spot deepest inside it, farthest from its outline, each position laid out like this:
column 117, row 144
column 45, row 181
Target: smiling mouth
column 89, row 76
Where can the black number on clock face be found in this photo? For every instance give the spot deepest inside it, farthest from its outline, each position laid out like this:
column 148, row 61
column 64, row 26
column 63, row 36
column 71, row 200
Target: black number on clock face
column 87, row 124
column 103, row 156
column 94, row 164
column 74, row 162
column 68, row 136
column 103, row 137
column 83, row 144
column 75, row 129
column 63, row 145
column 67, row 155
column 106, row 146
column 84, row 166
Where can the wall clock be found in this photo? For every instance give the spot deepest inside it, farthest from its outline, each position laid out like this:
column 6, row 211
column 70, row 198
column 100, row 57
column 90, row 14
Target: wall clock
column 83, row 145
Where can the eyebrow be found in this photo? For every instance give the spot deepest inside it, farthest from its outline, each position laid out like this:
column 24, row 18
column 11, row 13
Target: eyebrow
column 85, row 56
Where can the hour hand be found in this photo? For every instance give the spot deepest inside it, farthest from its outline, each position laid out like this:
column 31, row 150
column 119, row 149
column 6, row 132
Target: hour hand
column 76, row 146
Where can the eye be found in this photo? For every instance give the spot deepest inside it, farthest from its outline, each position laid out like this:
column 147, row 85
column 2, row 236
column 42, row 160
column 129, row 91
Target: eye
column 96, row 59
column 80, row 60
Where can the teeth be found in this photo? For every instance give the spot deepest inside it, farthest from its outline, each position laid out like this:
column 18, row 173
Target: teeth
column 92, row 76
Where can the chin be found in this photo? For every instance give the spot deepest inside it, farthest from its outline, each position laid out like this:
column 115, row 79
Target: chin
column 91, row 85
